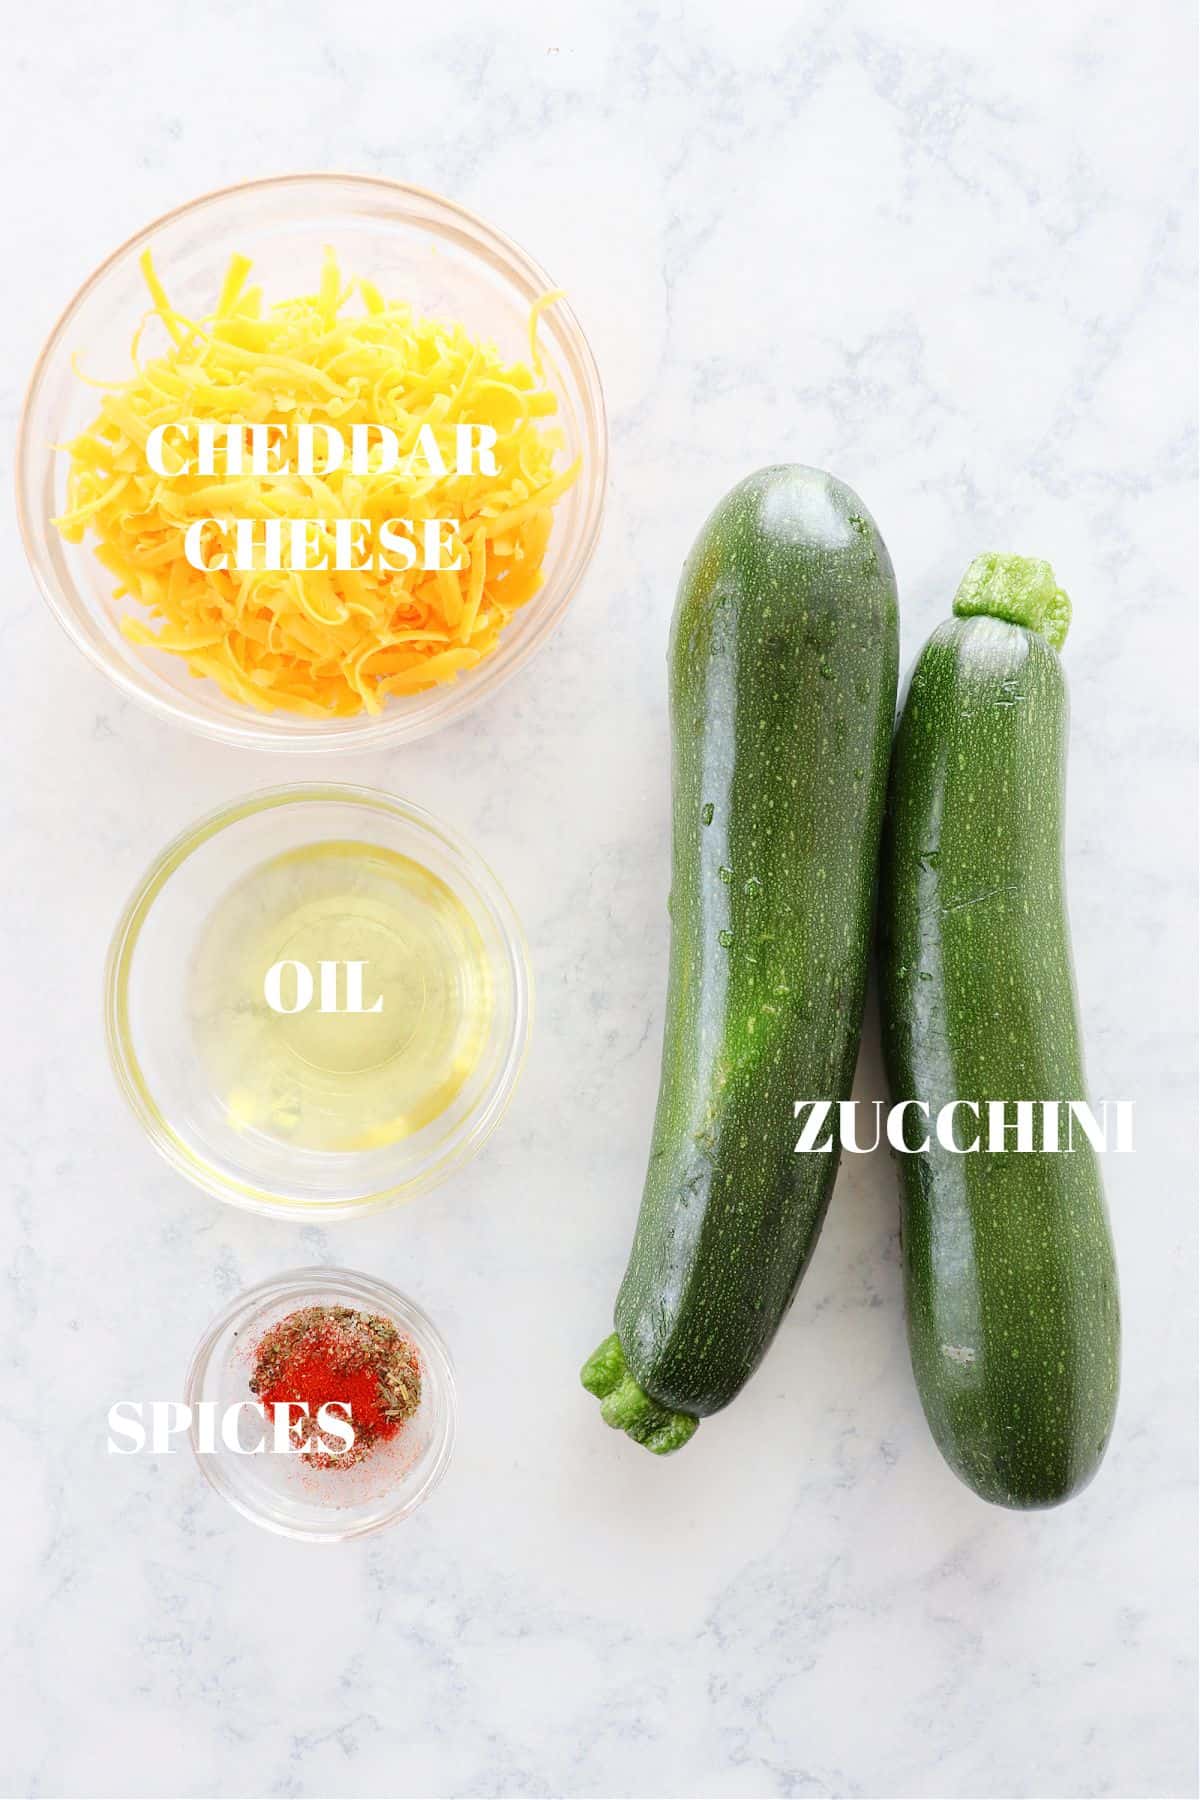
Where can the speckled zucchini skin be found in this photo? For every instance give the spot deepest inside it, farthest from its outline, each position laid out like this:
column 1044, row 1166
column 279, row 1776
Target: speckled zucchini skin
column 783, row 663
column 1010, row 1281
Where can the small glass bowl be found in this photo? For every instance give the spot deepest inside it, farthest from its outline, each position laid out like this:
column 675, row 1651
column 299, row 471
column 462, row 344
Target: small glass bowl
column 283, row 1493
column 440, row 258
column 152, row 1028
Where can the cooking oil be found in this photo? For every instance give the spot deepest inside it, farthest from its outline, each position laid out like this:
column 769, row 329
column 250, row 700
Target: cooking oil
column 341, row 996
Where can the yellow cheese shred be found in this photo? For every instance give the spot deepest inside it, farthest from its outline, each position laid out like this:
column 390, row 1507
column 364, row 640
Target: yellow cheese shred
column 327, row 643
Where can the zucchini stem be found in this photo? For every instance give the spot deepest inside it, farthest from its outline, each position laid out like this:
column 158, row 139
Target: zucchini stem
column 626, row 1406
column 1021, row 589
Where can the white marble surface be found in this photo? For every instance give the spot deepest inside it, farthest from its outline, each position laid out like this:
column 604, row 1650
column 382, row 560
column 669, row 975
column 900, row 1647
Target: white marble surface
column 944, row 250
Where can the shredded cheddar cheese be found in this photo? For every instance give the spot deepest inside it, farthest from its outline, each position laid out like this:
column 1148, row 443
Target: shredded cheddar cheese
column 325, row 641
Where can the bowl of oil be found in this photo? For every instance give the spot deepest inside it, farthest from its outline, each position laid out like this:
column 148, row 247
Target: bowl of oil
column 318, row 1001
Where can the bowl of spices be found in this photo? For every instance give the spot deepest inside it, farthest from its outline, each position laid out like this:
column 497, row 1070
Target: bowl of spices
column 318, row 1001
column 322, row 1404
column 313, row 463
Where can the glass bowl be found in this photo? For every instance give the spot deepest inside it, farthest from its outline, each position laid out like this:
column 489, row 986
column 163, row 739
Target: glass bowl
column 436, row 255
column 187, row 1015
column 283, row 1493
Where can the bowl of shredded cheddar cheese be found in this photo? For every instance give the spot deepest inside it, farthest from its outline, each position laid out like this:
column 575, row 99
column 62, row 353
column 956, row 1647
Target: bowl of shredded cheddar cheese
column 313, row 463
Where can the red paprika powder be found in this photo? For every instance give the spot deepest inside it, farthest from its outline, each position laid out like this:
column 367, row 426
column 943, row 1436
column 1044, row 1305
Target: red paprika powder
column 323, row 1355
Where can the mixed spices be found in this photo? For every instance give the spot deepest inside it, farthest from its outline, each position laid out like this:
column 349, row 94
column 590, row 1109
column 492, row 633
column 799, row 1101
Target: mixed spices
column 336, row 1355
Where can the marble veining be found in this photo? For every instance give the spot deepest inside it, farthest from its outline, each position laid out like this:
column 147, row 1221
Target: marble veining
column 946, row 251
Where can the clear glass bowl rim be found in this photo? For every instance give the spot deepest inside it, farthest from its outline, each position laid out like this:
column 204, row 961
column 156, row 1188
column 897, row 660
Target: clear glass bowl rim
column 297, row 1284
column 441, row 705
column 473, row 1132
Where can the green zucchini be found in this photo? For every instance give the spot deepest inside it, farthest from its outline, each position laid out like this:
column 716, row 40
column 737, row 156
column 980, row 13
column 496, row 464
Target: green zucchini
column 783, row 663
column 1010, row 1282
